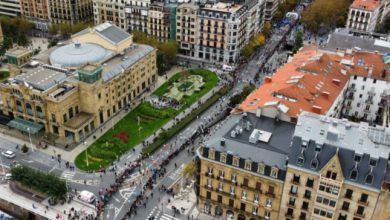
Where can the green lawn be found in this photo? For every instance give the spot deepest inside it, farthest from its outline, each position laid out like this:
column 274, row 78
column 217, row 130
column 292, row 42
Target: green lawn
column 108, row 148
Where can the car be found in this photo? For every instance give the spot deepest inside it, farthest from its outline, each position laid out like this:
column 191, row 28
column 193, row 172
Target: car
column 8, row 176
column 8, row 154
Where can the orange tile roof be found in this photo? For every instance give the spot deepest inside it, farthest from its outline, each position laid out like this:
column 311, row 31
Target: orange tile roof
column 311, row 81
column 368, row 5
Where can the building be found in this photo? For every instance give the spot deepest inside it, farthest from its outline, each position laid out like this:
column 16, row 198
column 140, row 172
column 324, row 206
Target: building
column 136, row 12
column 242, row 166
column 70, row 11
column 368, row 93
column 187, row 29
column 70, row 90
column 270, row 8
column 10, row 8
column 37, row 12
column 162, row 21
column 18, row 55
column 364, row 15
column 335, row 169
column 311, row 81
column 112, row 11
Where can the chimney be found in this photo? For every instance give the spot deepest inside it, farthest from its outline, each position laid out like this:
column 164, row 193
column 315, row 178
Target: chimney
column 223, row 142
column 258, row 112
column 268, row 79
column 336, row 82
column 316, row 109
column 325, row 94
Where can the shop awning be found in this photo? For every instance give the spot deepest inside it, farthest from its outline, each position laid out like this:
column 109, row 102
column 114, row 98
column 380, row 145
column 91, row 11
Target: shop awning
column 25, row 126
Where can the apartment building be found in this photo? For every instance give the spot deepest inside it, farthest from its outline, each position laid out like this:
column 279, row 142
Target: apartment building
column 10, row 8
column 241, row 167
column 270, row 8
column 335, row 169
column 368, row 93
column 364, row 15
column 70, row 90
column 187, row 29
column 70, row 11
column 136, row 12
column 112, row 11
column 36, row 11
column 310, row 81
column 162, row 21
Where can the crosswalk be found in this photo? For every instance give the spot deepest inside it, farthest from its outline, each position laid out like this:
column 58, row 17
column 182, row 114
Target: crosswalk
column 159, row 215
column 68, row 174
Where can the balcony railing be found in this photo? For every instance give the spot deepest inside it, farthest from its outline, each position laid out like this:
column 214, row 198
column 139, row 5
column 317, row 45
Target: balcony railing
column 360, row 215
column 365, row 203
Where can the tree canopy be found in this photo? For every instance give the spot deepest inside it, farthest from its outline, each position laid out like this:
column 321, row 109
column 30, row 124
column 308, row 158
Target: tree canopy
column 15, row 30
column 68, row 29
column 255, row 42
column 384, row 27
column 325, row 14
column 37, row 180
column 166, row 55
column 298, row 42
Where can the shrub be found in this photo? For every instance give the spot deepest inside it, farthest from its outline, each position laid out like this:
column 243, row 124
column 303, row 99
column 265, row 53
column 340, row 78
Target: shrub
column 24, row 148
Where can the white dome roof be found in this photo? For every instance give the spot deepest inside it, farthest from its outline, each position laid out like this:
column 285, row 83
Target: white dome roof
column 78, row 54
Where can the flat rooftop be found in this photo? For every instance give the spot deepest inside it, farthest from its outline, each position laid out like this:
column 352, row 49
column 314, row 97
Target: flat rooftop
column 18, row 51
column 223, row 7
column 272, row 151
column 359, row 137
column 40, row 78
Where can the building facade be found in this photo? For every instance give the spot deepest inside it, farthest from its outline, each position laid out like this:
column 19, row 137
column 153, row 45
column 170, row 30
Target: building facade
column 240, row 176
column 71, row 92
column 187, row 29
column 162, row 21
column 37, row 12
column 10, row 8
column 111, row 11
column 335, row 169
column 137, row 15
column 70, row 11
column 364, row 15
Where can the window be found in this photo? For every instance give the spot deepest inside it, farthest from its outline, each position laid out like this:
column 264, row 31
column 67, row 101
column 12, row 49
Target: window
column 348, row 194
column 307, row 194
column 291, row 201
column 357, row 158
column 235, row 161
column 345, row 206
column 210, row 171
column 258, row 186
column 248, row 164
column 305, row 205
column 256, row 199
column 219, row 199
column 261, row 168
column 53, row 117
column 296, row 178
column 244, row 194
column 220, row 186
column 231, row 203
column 310, row 182
column 369, row 178
column 360, row 210
column 208, row 195
column 314, row 163
column 211, row 154
column 209, row 182
column 243, row 207
column 254, row 210
column 221, row 174
column 232, row 190
column 267, row 214
column 223, row 157
column 363, row 198
column 274, row 172
column 233, row 178
column 354, row 174
column 293, row 190
column 301, row 160
column 65, row 118
column 373, row 162
column 269, row 203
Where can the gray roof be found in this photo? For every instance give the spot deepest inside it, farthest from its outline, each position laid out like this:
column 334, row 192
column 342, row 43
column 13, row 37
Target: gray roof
column 132, row 55
column 78, row 54
column 40, row 78
column 308, row 145
column 338, row 40
column 273, row 153
column 111, row 33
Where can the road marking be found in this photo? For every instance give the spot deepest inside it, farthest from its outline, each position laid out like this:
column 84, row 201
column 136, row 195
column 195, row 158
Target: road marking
column 51, row 170
column 165, row 216
column 68, row 175
column 177, row 173
column 27, row 161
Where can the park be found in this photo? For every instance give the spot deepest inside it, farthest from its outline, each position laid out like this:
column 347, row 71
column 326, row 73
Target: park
column 175, row 95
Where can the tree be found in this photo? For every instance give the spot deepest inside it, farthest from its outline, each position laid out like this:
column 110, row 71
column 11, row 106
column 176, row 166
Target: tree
column 24, row 148
column 267, row 28
column 325, row 14
column 189, row 170
column 298, row 41
column 384, row 27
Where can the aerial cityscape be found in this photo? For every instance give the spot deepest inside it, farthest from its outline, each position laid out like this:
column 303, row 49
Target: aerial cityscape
column 195, row 109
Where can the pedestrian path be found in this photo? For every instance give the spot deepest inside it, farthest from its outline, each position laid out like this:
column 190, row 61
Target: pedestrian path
column 159, row 215
column 68, row 174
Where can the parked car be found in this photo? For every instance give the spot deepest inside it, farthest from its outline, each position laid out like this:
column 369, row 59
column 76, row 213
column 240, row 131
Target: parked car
column 8, row 154
column 8, row 176
column 86, row 196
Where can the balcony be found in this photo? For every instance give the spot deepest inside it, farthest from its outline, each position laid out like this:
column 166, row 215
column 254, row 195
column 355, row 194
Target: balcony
column 291, row 205
column 250, row 188
column 351, row 89
column 209, row 174
column 225, row 193
column 208, row 186
column 360, row 215
column 289, row 215
column 293, row 194
column 270, row 194
column 365, row 203
column 295, row 182
column 369, row 101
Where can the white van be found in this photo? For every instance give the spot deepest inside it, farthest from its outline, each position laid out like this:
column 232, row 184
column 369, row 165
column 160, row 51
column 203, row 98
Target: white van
column 86, row 196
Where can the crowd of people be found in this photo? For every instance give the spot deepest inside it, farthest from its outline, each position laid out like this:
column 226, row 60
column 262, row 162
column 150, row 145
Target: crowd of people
column 164, row 102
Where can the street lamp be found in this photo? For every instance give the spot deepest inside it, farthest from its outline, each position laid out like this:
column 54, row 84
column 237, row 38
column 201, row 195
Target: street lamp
column 86, row 153
column 29, row 137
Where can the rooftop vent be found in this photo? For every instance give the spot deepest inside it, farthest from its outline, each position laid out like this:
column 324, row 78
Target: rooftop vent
column 233, row 134
column 259, row 135
column 223, row 142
